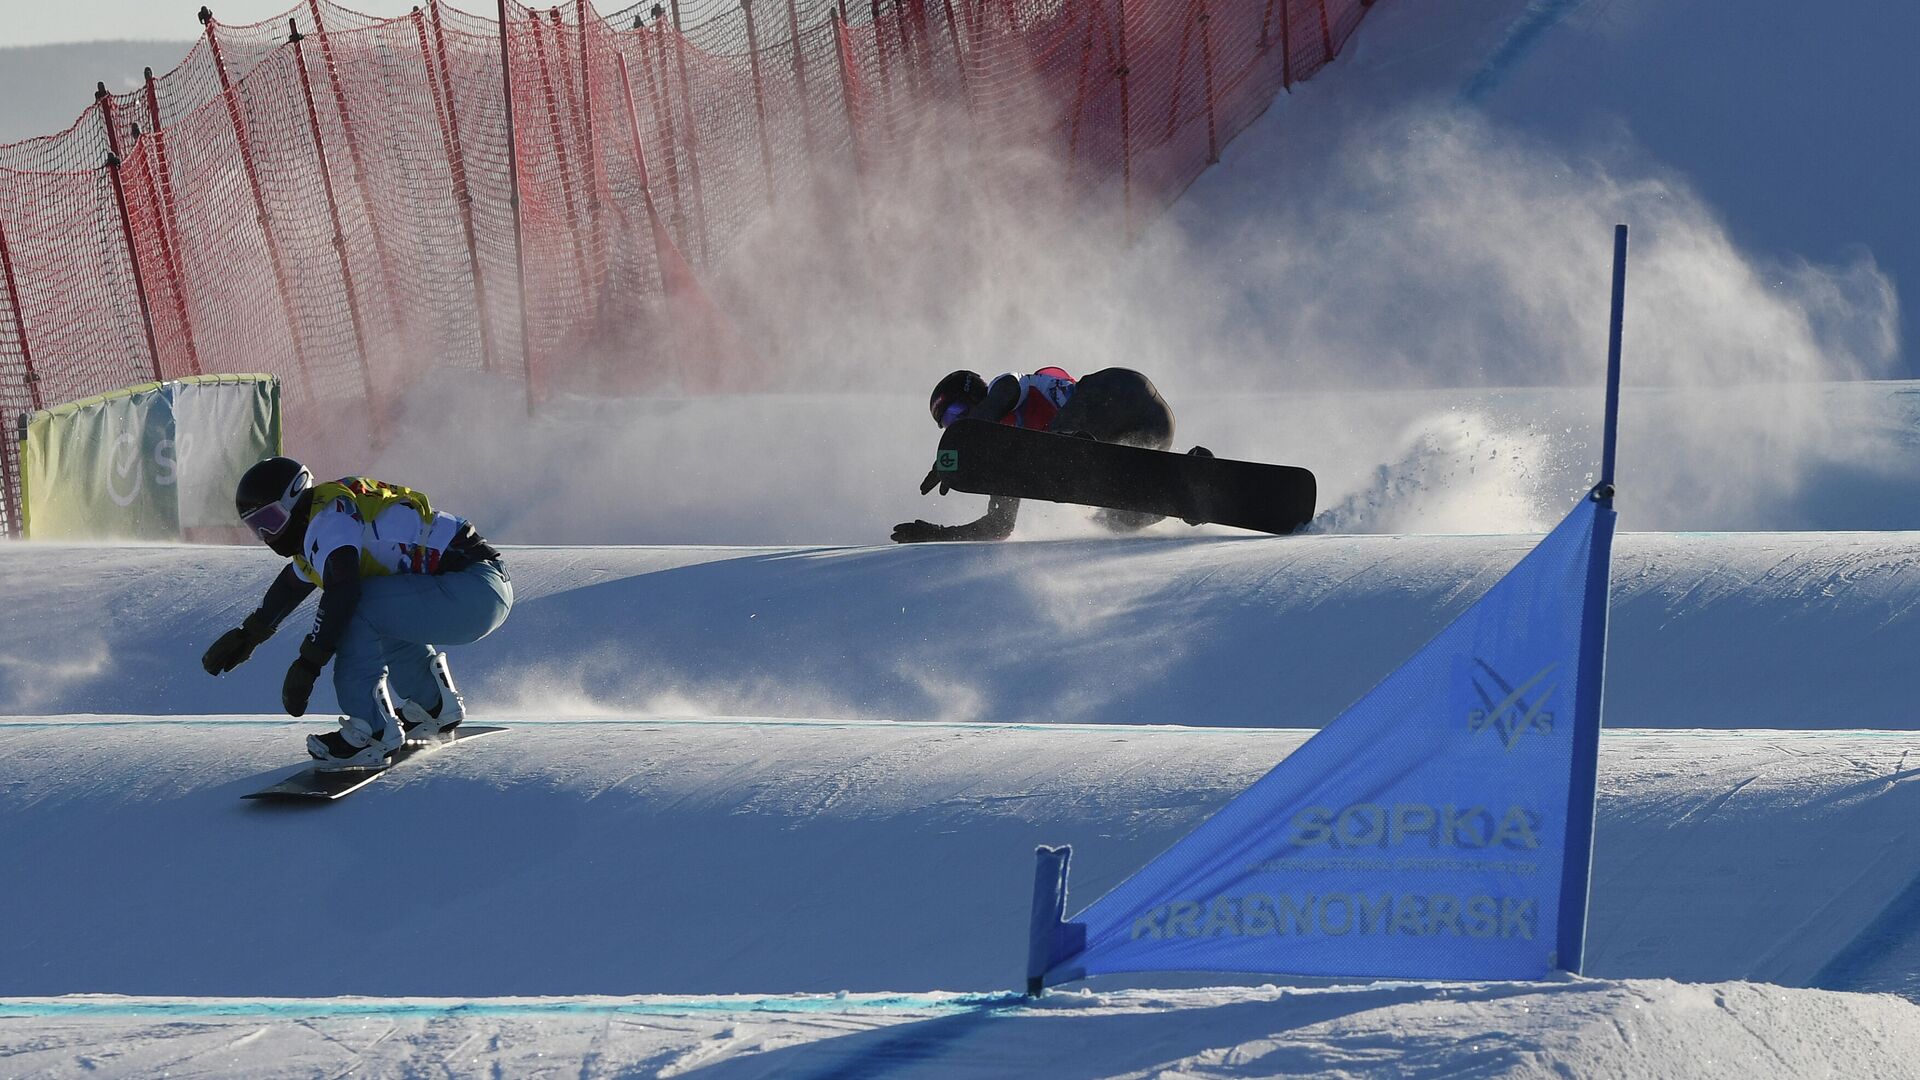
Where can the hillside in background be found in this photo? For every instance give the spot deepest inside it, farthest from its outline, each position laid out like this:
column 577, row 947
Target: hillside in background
column 44, row 88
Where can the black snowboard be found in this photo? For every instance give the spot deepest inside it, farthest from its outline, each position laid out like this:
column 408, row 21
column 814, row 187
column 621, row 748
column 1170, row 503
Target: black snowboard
column 995, row 459
column 314, row 784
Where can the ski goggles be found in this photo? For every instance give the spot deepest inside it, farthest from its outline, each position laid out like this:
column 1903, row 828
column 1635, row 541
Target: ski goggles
column 268, row 520
column 946, row 415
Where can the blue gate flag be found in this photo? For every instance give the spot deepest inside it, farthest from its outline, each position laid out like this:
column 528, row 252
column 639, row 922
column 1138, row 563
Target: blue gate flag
column 1440, row 828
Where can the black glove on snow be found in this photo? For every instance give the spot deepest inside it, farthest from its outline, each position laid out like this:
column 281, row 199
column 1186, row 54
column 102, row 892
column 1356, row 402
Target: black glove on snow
column 236, row 645
column 301, row 676
column 918, row 532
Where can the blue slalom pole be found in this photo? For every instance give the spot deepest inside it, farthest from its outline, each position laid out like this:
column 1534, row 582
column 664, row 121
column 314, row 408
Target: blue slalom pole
column 1576, row 879
column 1612, row 421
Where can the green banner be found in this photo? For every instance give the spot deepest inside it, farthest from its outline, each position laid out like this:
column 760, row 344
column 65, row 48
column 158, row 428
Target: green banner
column 146, row 462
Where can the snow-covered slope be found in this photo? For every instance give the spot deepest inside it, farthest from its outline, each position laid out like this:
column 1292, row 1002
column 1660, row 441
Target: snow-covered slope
column 1640, row 1029
column 1785, row 630
column 778, row 857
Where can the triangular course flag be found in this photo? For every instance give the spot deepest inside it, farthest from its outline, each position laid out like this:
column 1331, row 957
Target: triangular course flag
column 1440, row 828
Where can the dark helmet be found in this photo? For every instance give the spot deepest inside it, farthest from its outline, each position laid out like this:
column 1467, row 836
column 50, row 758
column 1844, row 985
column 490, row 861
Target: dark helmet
column 960, row 388
column 268, row 492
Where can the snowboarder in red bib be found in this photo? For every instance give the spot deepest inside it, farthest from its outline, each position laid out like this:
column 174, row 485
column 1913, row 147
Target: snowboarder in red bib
column 395, row 574
column 1116, row 405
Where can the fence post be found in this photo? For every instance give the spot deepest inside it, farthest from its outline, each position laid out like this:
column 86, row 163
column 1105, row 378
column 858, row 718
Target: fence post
column 1126, row 124
column 339, row 239
column 885, row 97
column 800, row 79
column 909, row 17
column 595, row 224
column 959, row 61
column 1286, row 45
column 693, row 138
column 1206, row 65
column 20, row 331
column 842, row 47
column 159, row 178
column 164, row 170
column 105, row 102
column 133, row 260
column 513, row 200
column 1326, row 32
column 759, row 97
column 662, row 94
column 259, row 204
column 660, row 238
column 560, row 152
column 442, row 87
column 9, row 445
column 395, row 311
column 169, row 259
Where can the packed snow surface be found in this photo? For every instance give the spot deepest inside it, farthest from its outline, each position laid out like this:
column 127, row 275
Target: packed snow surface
column 635, row 833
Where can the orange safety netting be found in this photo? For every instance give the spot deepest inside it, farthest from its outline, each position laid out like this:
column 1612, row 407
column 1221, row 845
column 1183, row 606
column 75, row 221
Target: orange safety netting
column 349, row 202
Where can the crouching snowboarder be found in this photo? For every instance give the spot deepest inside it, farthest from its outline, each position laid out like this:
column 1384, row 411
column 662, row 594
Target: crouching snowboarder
column 395, row 575
column 1112, row 405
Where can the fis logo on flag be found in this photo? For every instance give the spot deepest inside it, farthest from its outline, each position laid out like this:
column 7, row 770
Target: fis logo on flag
column 1514, row 713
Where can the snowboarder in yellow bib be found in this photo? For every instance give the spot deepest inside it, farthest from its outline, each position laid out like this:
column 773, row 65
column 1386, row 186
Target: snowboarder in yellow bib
column 396, row 575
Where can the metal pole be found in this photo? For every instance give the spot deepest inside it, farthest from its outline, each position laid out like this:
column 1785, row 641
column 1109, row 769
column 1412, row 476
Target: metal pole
column 592, row 153
column 160, row 188
column 393, row 292
column 1126, row 124
column 759, row 97
column 19, row 324
column 693, row 137
column 1206, row 65
column 800, row 78
column 1614, row 327
column 259, row 205
column 560, row 154
column 457, row 168
column 959, row 60
column 662, row 94
column 169, row 260
column 105, row 101
column 513, row 200
column 165, row 170
column 661, row 241
column 1286, row 45
column 886, row 77
column 133, row 260
column 841, row 47
column 295, row 38
column 1326, row 31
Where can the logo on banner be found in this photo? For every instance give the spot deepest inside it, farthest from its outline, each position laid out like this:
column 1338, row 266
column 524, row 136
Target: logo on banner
column 1514, row 712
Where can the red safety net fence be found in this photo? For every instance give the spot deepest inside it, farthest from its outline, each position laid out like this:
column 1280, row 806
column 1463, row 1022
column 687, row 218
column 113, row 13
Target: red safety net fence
column 350, row 202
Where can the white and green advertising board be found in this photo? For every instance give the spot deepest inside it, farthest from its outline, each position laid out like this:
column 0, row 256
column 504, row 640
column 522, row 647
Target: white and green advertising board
column 147, row 462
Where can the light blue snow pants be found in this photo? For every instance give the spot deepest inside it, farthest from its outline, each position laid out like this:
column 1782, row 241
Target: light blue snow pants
column 399, row 618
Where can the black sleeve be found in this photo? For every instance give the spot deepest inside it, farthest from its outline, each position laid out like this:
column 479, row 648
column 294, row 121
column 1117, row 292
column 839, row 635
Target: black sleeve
column 283, row 596
column 1001, row 399
column 341, row 576
column 996, row 525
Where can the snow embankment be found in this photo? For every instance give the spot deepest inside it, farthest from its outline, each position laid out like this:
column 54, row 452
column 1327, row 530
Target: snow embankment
column 1793, row 631
column 1650, row 1029
column 769, row 857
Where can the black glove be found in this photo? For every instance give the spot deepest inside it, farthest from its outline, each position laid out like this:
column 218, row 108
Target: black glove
column 301, row 676
column 236, row 645
column 918, row 532
column 933, row 480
